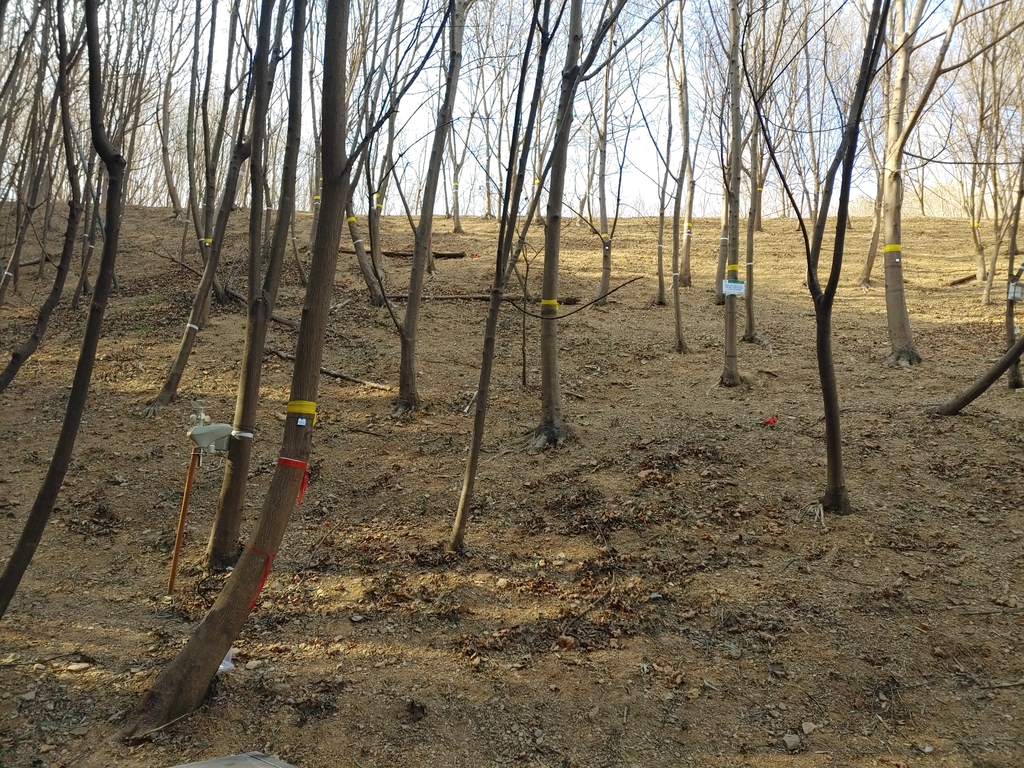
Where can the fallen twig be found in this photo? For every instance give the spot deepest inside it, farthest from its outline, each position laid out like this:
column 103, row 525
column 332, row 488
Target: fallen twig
column 1012, row 684
column 448, row 296
column 962, row 280
column 408, row 254
column 329, row 372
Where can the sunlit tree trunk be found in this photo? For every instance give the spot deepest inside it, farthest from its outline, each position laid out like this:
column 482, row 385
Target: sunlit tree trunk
column 898, row 128
column 408, row 395
column 181, row 686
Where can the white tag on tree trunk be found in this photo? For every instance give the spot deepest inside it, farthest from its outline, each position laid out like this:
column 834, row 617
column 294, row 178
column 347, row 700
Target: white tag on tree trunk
column 734, row 287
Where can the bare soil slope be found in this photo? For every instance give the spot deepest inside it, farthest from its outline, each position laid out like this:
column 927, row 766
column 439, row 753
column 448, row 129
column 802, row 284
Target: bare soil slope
column 654, row 593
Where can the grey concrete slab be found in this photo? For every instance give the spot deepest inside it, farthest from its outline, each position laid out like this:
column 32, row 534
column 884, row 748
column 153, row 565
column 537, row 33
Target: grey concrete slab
column 248, row 760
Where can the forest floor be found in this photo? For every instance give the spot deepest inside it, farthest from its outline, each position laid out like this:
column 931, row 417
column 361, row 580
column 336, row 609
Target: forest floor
column 656, row 592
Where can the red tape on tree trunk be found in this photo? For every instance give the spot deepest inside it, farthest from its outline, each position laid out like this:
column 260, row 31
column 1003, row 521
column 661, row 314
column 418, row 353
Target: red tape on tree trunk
column 296, row 464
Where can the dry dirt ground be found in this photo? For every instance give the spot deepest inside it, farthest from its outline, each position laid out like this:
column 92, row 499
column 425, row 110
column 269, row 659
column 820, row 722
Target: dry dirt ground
column 653, row 593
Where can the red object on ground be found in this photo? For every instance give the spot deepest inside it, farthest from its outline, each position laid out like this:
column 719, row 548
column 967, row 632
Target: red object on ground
column 771, row 421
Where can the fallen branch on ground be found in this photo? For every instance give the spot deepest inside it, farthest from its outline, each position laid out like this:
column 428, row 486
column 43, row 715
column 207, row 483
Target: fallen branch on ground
column 329, row 372
column 408, row 254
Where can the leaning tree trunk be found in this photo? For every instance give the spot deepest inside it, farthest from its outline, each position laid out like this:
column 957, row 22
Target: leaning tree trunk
column 510, row 201
column 169, row 390
column 222, row 549
column 180, row 688
column 20, row 355
column 61, row 460
column 978, row 388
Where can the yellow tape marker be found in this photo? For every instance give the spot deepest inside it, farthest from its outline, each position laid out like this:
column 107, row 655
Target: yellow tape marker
column 732, row 267
column 605, row 236
column 892, row 248
column 352, row 219
column 316, row 198
column 549, row 303
column 303, row 408
column 760, row 189
column 456, row 185
column 208, row 241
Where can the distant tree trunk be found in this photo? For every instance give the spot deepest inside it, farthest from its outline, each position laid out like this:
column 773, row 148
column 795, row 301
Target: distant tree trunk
column 602, row 186
column 876, row 231
column 552, row 429
column 61, row 460
column 730, row 373
column 163, row 123
column 408, row 395
column 181, row 686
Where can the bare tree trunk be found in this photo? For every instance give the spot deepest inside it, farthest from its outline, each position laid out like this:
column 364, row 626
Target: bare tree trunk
column 223, row 548
column 730, row 374
column 511, row 199
column 602, row 189
column 169, row 390
column 898, row 128
column 552, row 429
column 408, row 396
column 181, row 686
column 20, row 355
column 61, row 460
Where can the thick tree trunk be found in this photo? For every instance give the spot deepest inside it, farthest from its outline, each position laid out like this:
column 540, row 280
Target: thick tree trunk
column 181, row 686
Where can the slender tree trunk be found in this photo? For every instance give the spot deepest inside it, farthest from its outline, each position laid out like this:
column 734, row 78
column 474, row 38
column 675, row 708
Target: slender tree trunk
column 511, row 199
column 730, row 374
column 20, row 355
column 223, row 548
column 408, row 395
column 750, row 332
column 602, row 190
column 181, row 686
column 61, row 460
column 552, row 429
